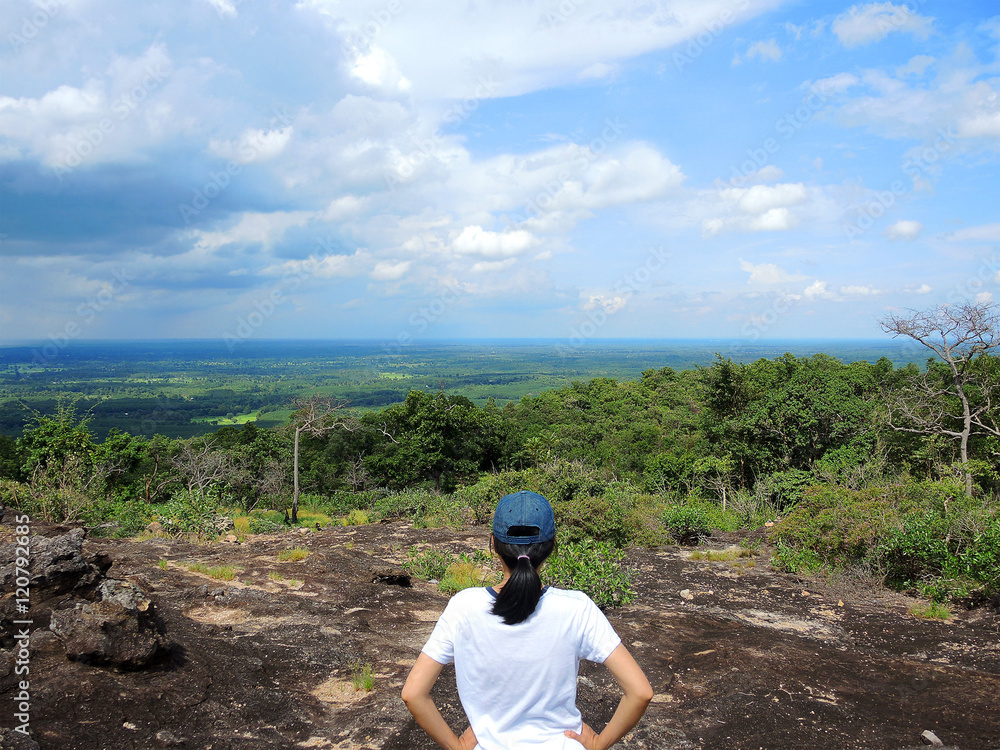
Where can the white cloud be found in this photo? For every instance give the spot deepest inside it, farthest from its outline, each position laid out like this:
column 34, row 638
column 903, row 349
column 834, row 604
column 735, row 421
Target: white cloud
column 768, row 173
column 768, row 50
column 768, row 273
column 835, row 84
column 864, row 24
column 530, row 46
column 922, row 289
column 345, row 207
column 817, row 290
column 904, row 229
column 250, row 229
column 984, row 298
column 859, row 291
column 386, row 270
column 761, row 208
column 474, row 240
column 327, row 267
column 608, row 303
column 224, row 8
column 916, row 66
column 253, row 145
column 492, row 266
column 377, row 67
column 981, row 233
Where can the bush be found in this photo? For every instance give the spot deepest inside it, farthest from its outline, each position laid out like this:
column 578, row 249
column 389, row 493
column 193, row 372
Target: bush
column 465, row 574
column 429, row 564
column 603, row 518
column 266, row 523
column 596, row 568
column 687, row 524
column 191, row 511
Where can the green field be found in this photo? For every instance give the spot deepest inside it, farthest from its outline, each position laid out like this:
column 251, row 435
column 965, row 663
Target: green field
column 186, row 388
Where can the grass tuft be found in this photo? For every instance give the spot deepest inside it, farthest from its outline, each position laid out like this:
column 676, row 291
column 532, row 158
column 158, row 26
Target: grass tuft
column 930, row 611
column 362, row 676
column 293, row 555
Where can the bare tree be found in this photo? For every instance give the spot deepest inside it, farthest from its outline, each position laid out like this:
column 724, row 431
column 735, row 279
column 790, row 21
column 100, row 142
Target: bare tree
column 200, row 465
column 315, row 416
column 960, row 335
column 356, row 474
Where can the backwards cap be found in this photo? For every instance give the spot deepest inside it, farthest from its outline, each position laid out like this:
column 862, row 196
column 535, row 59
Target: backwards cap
column 524, row 518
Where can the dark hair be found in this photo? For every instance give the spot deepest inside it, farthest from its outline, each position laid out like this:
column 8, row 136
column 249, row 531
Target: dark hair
column 519, row 596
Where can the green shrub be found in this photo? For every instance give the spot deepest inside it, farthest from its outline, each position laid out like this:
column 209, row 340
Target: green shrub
column 603, row 518
column 482, row 497
column 266, row 523
column 465, row 574
column 191, row 511
column 429, row 563
column 791, row 559
column 596, row 568
column 687, row 524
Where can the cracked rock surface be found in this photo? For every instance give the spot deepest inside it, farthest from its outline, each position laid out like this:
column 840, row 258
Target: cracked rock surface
column 748, row 659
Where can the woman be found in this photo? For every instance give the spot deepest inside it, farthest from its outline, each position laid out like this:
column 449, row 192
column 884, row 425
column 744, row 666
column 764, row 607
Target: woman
column 517, row 647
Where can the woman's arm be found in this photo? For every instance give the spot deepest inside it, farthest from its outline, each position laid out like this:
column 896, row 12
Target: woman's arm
column 417, row 697
column 638, row 694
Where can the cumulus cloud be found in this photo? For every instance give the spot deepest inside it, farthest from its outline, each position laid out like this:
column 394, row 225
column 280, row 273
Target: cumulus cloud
column 768, row 273
column 608, row 303
column 904, row 230
column 474, row 240
column 817, row 290
column 387, row 270
column 250, row 229
column 864, row 24
column 761, row 208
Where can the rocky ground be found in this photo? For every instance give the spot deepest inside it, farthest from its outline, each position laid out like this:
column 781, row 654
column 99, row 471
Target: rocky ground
column 739, row 656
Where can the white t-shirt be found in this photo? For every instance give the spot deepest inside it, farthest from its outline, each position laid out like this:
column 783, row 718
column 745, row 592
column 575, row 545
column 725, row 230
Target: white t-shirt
column 517, row 682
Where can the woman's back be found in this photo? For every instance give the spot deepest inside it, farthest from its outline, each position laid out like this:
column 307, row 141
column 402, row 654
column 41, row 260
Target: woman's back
column 517, row 682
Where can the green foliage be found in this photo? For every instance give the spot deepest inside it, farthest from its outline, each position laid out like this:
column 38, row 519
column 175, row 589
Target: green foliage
column 266, row 523
column 930, row 611
column 925, row 537
column 687, row 524
column 362, row 675
column 596, row 568
column 191, row 512
column 604, row 518
column 464, row 574
column 293, row 555
column 429, row 564
column 128, row 518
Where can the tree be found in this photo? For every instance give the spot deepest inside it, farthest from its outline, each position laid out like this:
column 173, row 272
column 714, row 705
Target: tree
column 956, row 397
column 314, row 416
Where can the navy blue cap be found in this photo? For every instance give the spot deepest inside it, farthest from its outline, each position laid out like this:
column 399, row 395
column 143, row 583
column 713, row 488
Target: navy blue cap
column 527, row 510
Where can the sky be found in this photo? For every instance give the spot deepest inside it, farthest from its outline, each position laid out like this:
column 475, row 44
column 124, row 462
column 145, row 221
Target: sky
column 571, row 169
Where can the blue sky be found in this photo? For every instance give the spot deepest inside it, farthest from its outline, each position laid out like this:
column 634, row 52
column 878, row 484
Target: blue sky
column 403, row 171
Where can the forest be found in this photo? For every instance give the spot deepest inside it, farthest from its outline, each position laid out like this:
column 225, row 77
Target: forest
column 881, row 472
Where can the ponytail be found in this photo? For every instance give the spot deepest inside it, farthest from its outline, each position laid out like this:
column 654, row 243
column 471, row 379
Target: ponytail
column 517, row 600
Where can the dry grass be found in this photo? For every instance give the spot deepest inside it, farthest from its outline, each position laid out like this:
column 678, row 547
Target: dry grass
column 293, row 555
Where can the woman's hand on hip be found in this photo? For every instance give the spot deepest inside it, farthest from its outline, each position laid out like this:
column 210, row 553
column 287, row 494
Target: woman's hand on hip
column 586, row 737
